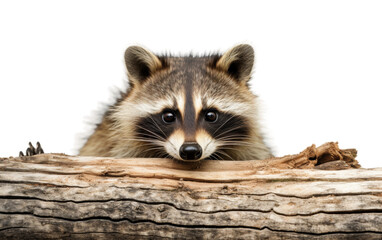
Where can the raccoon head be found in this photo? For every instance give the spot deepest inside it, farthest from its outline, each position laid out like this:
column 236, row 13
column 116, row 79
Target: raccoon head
column 189, row 108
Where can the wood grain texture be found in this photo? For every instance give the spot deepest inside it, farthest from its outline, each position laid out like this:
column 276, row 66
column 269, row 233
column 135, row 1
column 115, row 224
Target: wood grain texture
column 53, row 196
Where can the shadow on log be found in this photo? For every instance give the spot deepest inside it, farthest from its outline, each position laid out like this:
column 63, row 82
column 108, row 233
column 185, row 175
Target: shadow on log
column 55, row 196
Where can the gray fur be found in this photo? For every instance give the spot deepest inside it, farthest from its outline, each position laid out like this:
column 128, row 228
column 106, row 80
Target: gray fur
column 167, row 82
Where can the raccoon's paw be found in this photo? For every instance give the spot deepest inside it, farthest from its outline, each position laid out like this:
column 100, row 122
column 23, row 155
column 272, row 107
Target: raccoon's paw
column 31, row 150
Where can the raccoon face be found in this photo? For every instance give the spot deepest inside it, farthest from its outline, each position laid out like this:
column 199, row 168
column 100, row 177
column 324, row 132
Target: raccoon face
column 211, row 134
column 189, row 108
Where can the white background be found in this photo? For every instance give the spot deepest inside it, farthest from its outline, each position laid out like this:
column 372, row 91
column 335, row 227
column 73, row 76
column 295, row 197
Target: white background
column 318, row 65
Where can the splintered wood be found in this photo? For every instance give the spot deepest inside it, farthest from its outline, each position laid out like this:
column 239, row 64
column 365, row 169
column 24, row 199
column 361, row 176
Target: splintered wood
column 55, row 196
column 326, row 156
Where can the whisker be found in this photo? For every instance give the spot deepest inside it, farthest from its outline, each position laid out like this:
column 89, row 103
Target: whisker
column 166, row 155
column 225, row 154
column 236, row 136
column 156, row 124
column 232, row 140
column 218, row 157
column 143, row 140
column 215, row 154
column 147, row 134
column 151, row 149
column 228, row 148
column 223, row 124
column 212, row 156
column 229, row 130
column 153, row 153
column 154, row 134
column 150, row 137
column 233, row 143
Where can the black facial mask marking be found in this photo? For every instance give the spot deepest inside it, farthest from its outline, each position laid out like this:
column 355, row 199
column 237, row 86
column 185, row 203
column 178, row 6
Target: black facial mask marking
column 155, row 128
column 227, row 126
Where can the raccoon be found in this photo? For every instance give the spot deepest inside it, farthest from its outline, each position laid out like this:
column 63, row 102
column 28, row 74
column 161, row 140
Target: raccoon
column 186, row 108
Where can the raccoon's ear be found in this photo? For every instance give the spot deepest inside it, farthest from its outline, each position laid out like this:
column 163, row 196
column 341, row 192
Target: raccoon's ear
column 141, row 63
column 238, row 62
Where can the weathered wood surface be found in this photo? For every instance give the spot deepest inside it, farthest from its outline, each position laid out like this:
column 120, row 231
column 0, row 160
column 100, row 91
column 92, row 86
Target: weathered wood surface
column 54, row 196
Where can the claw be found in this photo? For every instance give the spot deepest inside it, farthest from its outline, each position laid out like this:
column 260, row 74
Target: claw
column 31, row 150
column 39, row 149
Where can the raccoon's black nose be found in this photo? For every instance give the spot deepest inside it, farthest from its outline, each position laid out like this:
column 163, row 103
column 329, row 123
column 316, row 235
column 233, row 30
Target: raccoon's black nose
column 190, row 151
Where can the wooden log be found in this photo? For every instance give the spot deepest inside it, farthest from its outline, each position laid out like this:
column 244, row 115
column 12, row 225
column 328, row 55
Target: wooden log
column 55, row 196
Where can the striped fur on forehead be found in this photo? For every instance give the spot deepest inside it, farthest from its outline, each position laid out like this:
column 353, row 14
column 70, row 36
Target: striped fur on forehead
column 145, row 104
column 225, row 103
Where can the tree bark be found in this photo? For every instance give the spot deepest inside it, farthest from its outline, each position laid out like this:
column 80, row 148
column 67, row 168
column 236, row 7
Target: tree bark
column 55, row 196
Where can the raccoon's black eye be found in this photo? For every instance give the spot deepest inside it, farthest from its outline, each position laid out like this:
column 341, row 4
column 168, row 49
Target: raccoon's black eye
column 168, row 117
column 211, row 116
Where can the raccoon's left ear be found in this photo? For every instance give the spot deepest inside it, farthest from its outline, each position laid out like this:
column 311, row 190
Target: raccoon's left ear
column 141, row 63
column 238, row 62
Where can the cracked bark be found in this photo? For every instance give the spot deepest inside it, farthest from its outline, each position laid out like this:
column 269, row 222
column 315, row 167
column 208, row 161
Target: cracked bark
column 54, row 196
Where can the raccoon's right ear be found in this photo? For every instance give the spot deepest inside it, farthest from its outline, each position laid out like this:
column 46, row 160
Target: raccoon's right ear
column 141, row 63
column 238, row 62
